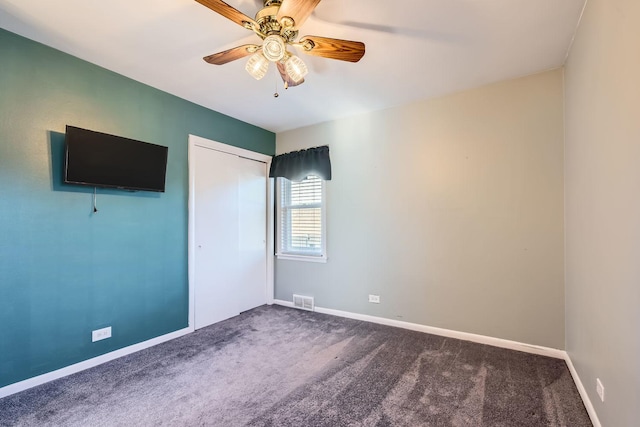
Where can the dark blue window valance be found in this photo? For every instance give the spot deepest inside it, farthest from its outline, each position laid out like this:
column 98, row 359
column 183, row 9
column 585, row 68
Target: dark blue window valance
column 297, row 165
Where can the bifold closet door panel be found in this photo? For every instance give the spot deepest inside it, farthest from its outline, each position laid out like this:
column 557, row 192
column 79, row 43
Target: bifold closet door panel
column 252, row 197
column 216, row 237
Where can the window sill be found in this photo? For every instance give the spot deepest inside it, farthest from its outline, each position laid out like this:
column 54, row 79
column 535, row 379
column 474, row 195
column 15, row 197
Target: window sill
column 305, row 258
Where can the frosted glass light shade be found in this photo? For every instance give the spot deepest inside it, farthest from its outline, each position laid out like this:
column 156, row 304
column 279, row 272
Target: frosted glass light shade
column 273, row 48
column 296, row 69
column 257, row 66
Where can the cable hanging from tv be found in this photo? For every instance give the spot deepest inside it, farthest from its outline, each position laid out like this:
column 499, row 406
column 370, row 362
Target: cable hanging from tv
column 95, row 197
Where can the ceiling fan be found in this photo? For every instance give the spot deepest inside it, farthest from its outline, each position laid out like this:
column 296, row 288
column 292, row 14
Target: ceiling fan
column 277, row 24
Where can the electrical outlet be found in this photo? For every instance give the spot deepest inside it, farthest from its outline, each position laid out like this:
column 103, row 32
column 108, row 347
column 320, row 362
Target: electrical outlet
column 600, row 389
column 101, row 334
column 374, row 298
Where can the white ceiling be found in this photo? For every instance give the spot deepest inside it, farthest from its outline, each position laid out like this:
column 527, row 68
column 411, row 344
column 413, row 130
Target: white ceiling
column 416, row 49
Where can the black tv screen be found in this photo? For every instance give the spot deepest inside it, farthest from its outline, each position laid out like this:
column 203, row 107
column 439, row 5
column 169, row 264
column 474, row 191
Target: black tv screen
column 101, row 160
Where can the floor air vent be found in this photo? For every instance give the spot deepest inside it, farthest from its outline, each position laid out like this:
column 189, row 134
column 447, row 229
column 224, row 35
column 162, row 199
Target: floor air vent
column 304, row 303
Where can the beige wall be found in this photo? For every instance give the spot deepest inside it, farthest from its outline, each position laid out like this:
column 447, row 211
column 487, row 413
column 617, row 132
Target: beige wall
column 450, row 209
column 602, row 170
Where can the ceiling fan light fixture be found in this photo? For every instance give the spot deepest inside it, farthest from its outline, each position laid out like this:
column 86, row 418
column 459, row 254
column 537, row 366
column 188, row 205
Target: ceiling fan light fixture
column 296, row 68
column 274, row 48
column 257, row 66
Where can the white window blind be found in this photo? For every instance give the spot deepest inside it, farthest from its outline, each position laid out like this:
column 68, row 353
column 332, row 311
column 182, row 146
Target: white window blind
column 301, row 218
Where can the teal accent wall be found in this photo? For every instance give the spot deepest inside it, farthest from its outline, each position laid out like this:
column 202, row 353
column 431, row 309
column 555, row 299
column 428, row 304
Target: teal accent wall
column 65, row 271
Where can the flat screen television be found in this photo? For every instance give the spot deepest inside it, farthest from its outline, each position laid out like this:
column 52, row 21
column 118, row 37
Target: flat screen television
column 101, row 160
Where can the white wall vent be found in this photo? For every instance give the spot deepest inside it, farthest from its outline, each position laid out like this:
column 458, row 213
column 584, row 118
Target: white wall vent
column 302, row 302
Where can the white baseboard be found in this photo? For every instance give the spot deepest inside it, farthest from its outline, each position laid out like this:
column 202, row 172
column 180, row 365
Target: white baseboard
column 285, row 303
column 583, row 393
column 482, row 339
column 90, row 363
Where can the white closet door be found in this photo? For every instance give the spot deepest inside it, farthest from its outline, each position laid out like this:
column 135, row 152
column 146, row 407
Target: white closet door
column 216, row 224
column 252, row 199
column 230, row 233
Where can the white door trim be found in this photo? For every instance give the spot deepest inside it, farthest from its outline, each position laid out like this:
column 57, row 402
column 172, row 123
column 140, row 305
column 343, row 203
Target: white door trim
column 241, row 152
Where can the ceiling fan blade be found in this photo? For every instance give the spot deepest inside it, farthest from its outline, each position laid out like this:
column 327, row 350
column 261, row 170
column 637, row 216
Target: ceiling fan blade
column 288, row 82
column 221, row 58
column 298, row 10
column 229, row 12
column 421, row 33
column 343, row 50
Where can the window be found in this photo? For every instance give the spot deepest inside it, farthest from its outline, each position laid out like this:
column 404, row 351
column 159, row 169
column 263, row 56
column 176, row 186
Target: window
column 301, row 219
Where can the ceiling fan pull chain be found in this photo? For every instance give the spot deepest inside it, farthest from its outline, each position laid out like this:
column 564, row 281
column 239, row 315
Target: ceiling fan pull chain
column 276, row 94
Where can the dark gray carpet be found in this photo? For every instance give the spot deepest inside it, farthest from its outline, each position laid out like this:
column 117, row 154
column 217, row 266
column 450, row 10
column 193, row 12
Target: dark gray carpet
column 275, row 366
